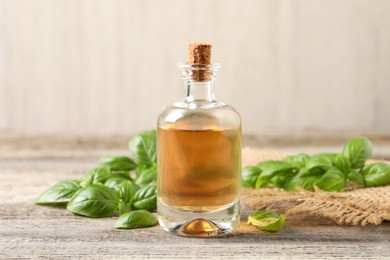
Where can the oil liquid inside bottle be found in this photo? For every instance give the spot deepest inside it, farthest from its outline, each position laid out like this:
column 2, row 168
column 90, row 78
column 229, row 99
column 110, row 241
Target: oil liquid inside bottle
column 199, row 170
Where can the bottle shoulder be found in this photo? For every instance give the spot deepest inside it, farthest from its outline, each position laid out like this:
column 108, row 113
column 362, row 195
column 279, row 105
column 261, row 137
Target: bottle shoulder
column 199, row 116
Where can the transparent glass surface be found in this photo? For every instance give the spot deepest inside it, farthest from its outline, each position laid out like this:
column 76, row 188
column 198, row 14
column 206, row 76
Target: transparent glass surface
column 199, row 162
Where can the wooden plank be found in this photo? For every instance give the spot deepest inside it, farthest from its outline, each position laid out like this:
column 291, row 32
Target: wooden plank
column 28, row 230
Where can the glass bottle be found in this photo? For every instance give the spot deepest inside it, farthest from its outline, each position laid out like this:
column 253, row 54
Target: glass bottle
column 199, row 158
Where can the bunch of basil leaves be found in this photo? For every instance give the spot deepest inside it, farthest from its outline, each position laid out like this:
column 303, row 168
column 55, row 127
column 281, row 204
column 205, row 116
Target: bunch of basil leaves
column 129, row 185
column 117, row 184
column 326, row 171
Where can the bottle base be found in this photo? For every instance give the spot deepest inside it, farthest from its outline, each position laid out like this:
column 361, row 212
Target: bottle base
column 199, row 224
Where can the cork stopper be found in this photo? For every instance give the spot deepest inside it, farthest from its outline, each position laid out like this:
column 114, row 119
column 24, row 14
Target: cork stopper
column 199, row 53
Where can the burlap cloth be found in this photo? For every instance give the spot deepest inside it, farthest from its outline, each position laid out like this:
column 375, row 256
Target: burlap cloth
column 356, row 206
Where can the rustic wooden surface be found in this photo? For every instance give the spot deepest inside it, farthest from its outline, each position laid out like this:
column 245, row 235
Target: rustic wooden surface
column 31, row 231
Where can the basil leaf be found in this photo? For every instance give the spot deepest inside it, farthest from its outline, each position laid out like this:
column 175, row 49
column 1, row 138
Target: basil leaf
column 342, row 163
column 147, row 176
column 115, row 181
column 145, row 198
column 143, row 146
column 59, row 193
column 249, row 176
column 312, row 172
column 304, row 179
column 272, row 168
column 118, row 163
column 94, row 201
column 95, row 176
column 140, row 169
column 323, row 161
column 290, row 184
column 279, row 180
column 127, row 191
column 136, row 219
column 298, row 161
column 267, row 220
column 356, row 177
column 306, row 183
column 376, row 174
column 332, row 180
column 272, row 164
column 124, row 207
column 358, row 150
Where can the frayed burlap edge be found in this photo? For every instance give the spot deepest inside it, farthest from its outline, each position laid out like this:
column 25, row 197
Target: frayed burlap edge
column 359, row 206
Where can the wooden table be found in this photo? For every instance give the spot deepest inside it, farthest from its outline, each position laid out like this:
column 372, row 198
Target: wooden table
column 28, row 230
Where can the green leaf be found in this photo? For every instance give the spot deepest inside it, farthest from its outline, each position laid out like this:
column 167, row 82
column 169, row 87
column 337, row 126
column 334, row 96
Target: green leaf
column 118, row 163
column 147, row 176
column 298, row 161
column 145, row 198
column 272, row 168
column 313, row 172
column 94, row 201
column 332, row 180
column 342, row 163
column 124, row 207
column 356, row 177
column 304, row 179
column 115, row 181
column 280, row 180
column 267, row 220
column 307, row 182
column 358, row 150
column 376, row 174
column 140, row 169
column 273, row 164
column 95, row 176
column 249, row 176
column 323, row 161
column 136, row 219
column 143, row 146
column 127, row 190
column 59, row 193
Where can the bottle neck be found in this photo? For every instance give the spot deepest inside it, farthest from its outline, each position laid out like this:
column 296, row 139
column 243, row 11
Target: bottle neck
column 199, row 81
column 199, row 91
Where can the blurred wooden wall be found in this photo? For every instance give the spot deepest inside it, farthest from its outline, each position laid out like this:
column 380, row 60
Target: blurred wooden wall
column 88, row 67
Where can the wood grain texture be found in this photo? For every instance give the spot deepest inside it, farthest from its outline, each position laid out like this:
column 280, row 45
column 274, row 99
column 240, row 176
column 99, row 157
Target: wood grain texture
column 87, row 67
column 31, row 231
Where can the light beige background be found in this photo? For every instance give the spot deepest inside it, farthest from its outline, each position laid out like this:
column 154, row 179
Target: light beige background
column 93, row 67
